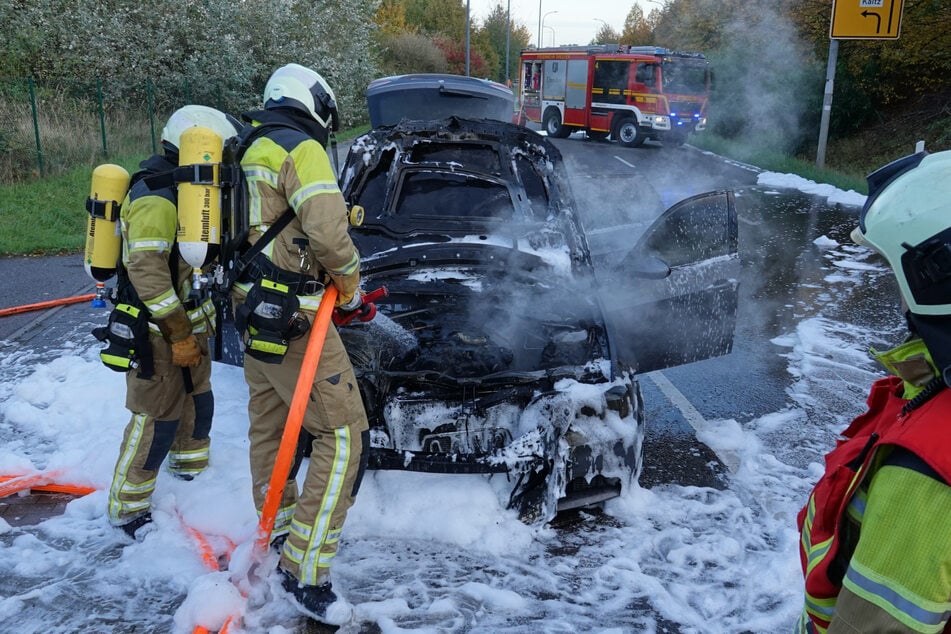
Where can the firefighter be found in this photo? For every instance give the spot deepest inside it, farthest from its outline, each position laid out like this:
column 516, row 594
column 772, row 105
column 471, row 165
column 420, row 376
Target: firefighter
column 168, row 388
column 876, row 531
column 287, row 168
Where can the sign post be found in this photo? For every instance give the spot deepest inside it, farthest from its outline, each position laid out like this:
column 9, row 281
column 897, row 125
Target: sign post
column 855, row 20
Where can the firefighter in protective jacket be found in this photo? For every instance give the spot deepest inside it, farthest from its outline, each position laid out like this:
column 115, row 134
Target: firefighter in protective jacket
column 876, row 530
column 287, row 168
column 168, row 388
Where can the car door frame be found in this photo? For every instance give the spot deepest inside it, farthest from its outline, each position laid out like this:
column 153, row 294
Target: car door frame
column 668, row 306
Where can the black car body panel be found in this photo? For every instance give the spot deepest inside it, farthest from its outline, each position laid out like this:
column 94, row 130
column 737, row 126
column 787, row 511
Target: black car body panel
column 433, row 96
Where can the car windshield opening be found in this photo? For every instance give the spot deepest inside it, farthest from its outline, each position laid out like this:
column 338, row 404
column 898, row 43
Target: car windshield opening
column 448, row 194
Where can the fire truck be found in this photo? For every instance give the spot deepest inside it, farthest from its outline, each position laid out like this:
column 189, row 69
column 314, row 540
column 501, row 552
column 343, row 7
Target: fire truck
column 628, row 93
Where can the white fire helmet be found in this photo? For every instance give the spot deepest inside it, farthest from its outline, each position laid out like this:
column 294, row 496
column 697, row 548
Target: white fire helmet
column 907, row 219
column 222, row 124
column 299, row 87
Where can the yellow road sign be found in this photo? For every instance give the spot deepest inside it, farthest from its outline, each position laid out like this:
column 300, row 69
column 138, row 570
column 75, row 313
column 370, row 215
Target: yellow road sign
column 866, row 19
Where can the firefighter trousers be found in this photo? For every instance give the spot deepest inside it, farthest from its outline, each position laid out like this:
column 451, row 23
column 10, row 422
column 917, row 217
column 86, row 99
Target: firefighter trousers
column 313, row 518
column 167, row 421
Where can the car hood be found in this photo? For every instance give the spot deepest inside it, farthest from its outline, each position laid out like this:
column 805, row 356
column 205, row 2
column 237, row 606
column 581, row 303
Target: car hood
column 482, row 313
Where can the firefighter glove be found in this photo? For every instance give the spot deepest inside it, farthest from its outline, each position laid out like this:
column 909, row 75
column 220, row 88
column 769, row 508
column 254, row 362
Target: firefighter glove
column 186, row 353
column 356, row 301
column 176, row 327
column 348, row 293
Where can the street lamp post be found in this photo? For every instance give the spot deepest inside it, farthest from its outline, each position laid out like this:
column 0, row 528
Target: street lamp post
column 539, row 23
column 541, row 26
column 508, row 33
column 552, row 29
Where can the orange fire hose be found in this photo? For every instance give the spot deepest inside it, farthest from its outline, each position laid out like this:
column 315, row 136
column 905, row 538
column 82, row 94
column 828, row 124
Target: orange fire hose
column 10, row 484
column 16, row 310
column 15, row 484
column 288, row 447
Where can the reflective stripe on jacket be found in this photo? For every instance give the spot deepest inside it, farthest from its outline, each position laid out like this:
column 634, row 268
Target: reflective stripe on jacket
column 838, row 499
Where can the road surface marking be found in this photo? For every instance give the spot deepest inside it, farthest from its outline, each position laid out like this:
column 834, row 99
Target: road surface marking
column 631, row 165
column 693, row 417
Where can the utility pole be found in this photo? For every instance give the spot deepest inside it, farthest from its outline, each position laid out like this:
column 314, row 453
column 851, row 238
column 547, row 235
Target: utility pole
column 467, row 38
column 508, row 33
column 827, row 103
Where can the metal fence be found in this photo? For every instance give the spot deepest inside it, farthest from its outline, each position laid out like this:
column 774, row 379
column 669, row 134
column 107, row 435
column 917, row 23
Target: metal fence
column 48, row 128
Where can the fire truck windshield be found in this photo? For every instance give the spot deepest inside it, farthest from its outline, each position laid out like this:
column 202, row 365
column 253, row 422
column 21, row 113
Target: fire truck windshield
column 685, row 76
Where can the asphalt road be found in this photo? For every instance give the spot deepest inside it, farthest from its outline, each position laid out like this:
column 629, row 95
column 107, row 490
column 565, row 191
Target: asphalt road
column 29, row 280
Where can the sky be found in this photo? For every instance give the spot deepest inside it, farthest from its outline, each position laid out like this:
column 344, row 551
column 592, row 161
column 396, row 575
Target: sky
column 423, row 553
column 574, row 23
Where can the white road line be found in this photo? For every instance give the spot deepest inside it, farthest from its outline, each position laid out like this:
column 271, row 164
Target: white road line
column 631, row 165
column 694, row 418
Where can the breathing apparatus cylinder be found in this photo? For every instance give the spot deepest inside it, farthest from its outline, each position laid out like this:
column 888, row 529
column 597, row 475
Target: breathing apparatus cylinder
column 199, row 200
column 107, row 190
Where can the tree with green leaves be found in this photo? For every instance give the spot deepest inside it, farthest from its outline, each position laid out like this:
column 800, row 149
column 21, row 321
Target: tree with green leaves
column 494, row 30
column 637, row 30
column 438, row 17
column 407, row 52
column 606, row 35
column 224, row 63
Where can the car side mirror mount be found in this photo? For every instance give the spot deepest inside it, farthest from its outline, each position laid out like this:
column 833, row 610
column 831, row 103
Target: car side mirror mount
column 648, row 267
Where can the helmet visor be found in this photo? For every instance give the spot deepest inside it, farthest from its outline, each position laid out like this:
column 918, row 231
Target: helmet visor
column 880, row 178
column 325, row 105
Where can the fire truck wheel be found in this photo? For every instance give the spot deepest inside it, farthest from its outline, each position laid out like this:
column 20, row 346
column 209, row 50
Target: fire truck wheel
column 628, row 134
column 553, row 124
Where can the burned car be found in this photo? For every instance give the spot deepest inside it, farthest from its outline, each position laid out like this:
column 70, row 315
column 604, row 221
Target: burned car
column 499, row 348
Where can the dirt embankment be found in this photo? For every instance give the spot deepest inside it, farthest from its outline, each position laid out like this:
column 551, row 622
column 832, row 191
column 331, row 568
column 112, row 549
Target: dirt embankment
column 894, row 134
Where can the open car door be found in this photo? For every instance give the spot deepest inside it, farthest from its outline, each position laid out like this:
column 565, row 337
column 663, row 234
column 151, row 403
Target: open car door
column 673, row 299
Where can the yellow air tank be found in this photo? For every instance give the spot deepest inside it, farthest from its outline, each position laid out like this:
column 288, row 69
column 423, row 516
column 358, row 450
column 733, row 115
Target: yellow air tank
column 199, row 203
column 108, row 188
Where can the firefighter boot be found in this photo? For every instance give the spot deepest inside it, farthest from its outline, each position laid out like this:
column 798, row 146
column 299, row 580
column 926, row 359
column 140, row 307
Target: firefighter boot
column 315, row 601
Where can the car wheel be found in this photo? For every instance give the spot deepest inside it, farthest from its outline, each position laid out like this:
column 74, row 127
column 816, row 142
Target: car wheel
column 553, row 125
column 628, row 133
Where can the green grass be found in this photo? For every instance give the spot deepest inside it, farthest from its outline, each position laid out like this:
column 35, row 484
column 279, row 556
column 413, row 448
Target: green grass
column 47, row 216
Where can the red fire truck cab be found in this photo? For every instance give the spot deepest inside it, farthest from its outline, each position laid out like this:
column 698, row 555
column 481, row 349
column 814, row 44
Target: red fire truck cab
column 629, row 93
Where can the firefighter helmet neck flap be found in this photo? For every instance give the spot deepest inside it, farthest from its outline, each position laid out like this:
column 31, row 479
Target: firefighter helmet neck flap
column 907, row 219
column 300, row 88
column 222, row 124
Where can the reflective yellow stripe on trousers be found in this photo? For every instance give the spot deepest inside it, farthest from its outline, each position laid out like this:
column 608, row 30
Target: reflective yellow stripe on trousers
column 316, row 535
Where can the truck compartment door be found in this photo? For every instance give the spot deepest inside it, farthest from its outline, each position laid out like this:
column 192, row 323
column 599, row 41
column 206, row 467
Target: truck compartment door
column 576, row 92
column 553, row 80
